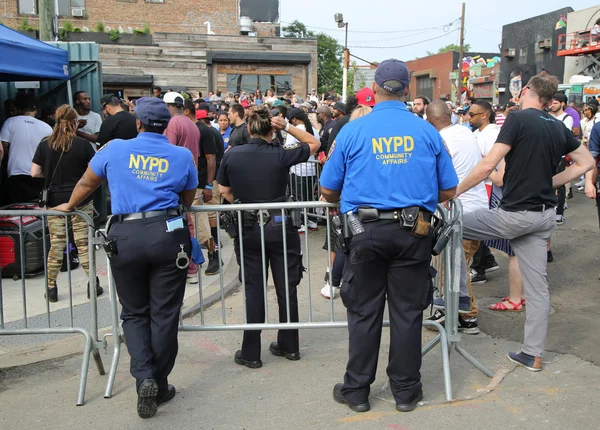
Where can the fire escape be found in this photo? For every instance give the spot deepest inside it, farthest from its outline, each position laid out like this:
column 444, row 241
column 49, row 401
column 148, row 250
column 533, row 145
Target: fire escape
column 585, row 45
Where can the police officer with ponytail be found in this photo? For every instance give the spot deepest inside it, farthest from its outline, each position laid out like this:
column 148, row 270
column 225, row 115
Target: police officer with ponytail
column 258, row 173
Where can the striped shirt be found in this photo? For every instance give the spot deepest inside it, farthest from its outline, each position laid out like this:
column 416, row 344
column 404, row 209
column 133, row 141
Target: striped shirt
column 500, row 119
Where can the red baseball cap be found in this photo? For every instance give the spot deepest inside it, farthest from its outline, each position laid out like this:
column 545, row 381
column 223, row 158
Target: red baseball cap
column 201, row 114
column 366, row 97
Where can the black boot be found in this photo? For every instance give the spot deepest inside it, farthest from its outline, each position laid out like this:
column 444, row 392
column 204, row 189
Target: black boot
column 99, row 289
column 52, row 294
column 213, row 263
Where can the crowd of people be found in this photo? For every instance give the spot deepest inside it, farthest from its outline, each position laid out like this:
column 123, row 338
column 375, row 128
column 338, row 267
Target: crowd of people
column 257, row 147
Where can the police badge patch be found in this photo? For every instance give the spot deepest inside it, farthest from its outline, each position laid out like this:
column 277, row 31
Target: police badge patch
column 289, row 146
column 331, row 150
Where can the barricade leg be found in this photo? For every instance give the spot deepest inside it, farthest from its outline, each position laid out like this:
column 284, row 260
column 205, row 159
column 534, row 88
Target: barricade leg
column 85, row 365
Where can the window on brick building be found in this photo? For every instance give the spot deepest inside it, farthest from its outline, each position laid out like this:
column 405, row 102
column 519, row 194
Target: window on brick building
column 425, row 86
column 250, row 83
column 28, row 7
column 65, row 7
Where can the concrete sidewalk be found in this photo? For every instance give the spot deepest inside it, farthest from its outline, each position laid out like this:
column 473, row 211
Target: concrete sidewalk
column 215, row 393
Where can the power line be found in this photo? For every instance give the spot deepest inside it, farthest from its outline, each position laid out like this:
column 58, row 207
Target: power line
column 379, row 32
column 483, row 29
column 409, row 44
column 387, row 40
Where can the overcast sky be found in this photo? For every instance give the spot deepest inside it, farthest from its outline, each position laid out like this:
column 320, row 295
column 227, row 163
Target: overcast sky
column 401, row 22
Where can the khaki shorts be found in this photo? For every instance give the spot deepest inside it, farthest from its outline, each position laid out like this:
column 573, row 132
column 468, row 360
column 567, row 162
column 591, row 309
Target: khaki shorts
column 216, row 200
column 201, row 219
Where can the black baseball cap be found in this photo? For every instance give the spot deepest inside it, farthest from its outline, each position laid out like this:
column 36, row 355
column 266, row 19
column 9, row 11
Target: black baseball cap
column 153, row 111
column 340, row 106
column 294, row 113
column 560, row 97
column 509, row 105
column 108, row 98
column 392, row 75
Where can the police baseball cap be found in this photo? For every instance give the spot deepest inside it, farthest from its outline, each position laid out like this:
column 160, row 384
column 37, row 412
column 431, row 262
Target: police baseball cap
column 173, row 98
column 392, row 75
column 153, row 112
column 366, row 97
column 340, row 106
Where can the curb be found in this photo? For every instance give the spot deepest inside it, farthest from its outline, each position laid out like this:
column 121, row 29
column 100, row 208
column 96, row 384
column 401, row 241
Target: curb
column 212, row 299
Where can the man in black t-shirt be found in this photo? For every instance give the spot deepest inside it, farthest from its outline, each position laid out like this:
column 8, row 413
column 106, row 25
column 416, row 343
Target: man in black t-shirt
column 239, row 134
column 532, row 143
column 118, row 124
column 206, row 177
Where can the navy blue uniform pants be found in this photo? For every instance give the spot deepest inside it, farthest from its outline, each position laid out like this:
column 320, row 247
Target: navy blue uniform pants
column 150, row 289
column 288, row 340
column 386, row 261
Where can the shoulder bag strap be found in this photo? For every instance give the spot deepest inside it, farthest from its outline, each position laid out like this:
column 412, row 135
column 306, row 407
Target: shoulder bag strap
column 48, row 185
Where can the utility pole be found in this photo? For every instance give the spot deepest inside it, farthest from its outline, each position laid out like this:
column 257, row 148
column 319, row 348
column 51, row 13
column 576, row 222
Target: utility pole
column 346, row 67
column 46, row 14
column 461, row 54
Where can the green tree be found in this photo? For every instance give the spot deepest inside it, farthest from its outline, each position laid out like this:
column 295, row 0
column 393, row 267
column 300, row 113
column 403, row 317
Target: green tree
column 451, row 47
column 329, row 56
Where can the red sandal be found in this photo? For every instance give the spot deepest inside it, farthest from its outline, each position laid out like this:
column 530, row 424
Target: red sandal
column 507, row 306
column 507, row 299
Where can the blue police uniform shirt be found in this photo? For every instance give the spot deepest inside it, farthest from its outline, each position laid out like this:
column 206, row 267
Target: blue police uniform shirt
column 389, row 159
column 226, row 136
column 146, row 173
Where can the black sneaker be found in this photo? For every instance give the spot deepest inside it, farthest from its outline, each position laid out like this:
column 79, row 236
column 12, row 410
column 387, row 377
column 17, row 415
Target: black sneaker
column 468, row 325
column 213, row 264
column 550, row 257
column 438, row 317
column 477, row 278
column 52, row 294
column 492, row 267
column 99, row 289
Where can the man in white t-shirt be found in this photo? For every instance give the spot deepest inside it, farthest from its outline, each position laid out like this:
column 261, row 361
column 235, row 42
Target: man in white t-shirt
column 22, row 134
column 303, row 175
column 89, row 121
column 462, row 146
column 559, row 101
column 557, row 110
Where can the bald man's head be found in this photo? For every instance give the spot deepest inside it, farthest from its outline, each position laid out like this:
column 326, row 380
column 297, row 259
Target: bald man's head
column 323, row 114
column 438, row 114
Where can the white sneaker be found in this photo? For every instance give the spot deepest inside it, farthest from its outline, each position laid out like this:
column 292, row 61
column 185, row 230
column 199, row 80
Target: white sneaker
column 192, row 279
column 580, row 183
column 312, row 225
column 302, row 229
column 328, row 291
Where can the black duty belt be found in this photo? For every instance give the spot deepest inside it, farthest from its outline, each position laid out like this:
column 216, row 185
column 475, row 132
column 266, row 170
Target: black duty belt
column 146, row 215
column 395, row 215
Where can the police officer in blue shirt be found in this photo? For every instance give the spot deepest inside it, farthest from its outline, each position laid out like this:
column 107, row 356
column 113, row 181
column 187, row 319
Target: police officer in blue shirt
column 148, row 180
column 391, row 169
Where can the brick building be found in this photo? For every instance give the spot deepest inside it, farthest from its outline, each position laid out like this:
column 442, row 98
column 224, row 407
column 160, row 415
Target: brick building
column 172, row 16
column 431, row 76
column 195, row 45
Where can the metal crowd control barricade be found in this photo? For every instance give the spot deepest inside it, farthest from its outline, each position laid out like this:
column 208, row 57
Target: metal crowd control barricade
column 92, row 343
column 447, row 337
column 448, row 265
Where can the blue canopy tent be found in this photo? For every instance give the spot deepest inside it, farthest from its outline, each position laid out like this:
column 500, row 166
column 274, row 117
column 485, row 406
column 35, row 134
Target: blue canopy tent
column 27, row 59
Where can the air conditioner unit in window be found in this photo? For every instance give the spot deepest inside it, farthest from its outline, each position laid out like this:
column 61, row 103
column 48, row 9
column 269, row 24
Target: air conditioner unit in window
column 78, row 12
column 509, row 52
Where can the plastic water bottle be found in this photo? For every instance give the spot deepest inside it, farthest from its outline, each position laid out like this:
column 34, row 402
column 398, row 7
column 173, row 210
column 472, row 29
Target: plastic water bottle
column 356, row 227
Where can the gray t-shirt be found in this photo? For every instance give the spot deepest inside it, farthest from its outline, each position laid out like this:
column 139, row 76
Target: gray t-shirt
column 94, row 121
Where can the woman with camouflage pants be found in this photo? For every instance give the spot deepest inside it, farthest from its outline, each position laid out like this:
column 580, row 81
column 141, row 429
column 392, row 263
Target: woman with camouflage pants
column 64, row 157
